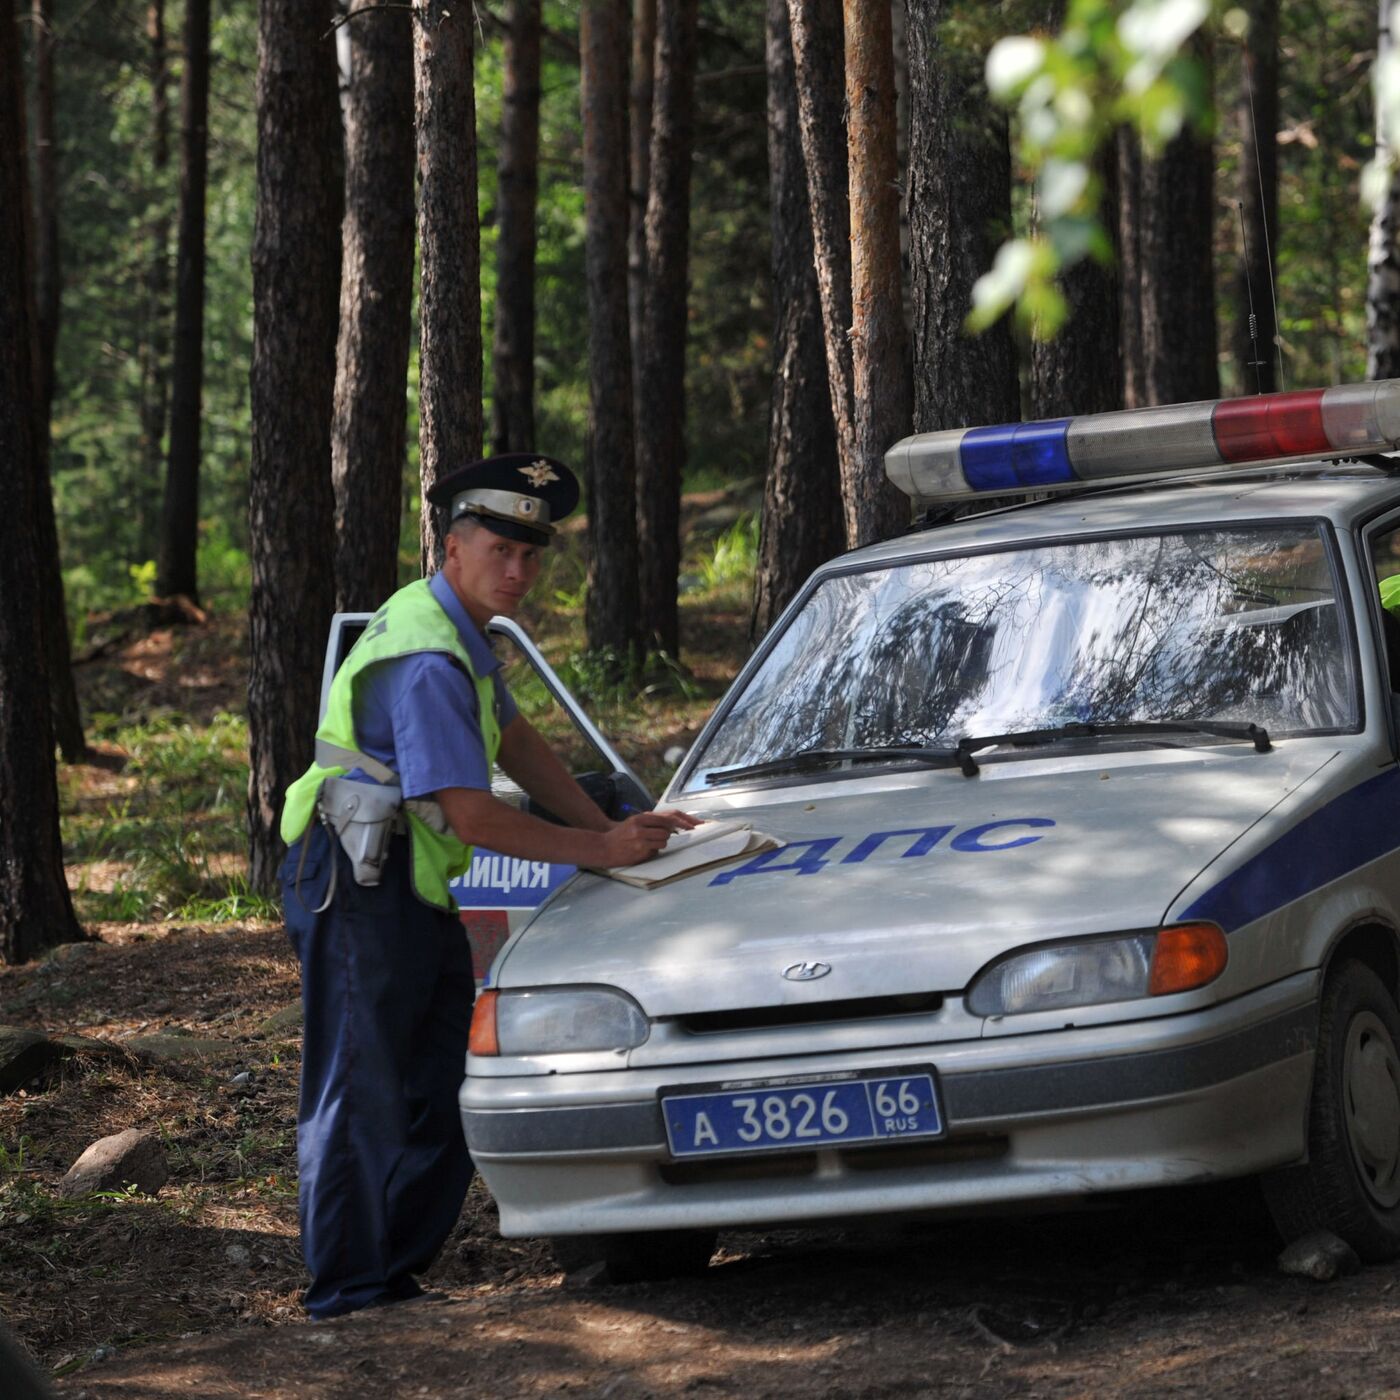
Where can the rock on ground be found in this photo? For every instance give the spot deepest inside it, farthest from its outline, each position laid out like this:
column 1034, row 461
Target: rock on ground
column 24, row 1056
column 282, row 1023
column 1320, row 1255
column 27, row 1055
column 113, row 1163
column 166, row 1046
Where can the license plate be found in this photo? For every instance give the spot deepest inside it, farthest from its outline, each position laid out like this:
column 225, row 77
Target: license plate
column 789, row 1114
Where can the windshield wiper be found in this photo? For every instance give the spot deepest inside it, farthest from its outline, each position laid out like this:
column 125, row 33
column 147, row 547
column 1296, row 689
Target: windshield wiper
column 930, row 755
column 1223, row 729
column 961, row 755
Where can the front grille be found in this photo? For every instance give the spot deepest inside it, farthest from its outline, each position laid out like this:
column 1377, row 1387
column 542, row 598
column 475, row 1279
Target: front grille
column 890, row 1156
column 882, row 1157
column 765, row 1168
column 757, row 1018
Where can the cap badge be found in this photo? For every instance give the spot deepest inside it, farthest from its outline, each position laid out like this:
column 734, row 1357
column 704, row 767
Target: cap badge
column 538, row 473
column 526, row 506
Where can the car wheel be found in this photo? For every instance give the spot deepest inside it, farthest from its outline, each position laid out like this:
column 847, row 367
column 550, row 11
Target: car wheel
column 1350, row 1184
column 661, row 1254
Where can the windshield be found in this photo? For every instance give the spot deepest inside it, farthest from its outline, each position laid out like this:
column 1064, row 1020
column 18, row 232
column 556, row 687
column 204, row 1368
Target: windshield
column 1218, row 625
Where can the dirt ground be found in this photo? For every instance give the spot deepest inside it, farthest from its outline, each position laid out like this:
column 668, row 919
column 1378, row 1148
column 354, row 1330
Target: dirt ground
column 195, row 1292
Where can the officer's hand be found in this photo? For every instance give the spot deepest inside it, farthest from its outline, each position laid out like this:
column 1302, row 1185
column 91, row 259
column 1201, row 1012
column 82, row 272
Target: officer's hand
column 641, row 836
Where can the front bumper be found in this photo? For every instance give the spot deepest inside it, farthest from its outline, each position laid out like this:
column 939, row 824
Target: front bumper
column 1214, row 1093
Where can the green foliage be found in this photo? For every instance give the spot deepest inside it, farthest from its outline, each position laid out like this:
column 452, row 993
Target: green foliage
column 225, row 575
column 600, row 681
column 564, row 579
column 733, row 556
column 239, row 904
column 12, row 1162
column 1119, row 62
column 1114, row 63
column 176, row 838
column 115, row 204
column 22, row 1199
column 1326, row 112
column 89, row 588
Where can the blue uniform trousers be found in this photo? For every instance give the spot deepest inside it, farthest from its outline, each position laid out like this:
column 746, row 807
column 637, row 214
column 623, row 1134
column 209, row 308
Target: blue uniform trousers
column 386, row 985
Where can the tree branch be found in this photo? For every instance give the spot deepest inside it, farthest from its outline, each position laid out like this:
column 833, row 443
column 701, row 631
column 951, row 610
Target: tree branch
column 360, row 10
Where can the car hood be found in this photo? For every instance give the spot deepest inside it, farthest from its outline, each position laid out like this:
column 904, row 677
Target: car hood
column 910, row 881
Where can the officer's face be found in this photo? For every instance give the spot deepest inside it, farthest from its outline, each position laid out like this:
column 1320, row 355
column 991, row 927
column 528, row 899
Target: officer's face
column 490, row 573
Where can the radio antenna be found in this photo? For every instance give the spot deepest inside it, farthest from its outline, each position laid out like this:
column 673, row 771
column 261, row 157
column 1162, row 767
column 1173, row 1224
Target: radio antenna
column 1264, row 223
column 1256, row 362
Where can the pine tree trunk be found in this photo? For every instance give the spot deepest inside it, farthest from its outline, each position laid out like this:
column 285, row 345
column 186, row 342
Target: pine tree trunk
column 639, row 178
column 35, row 909
column 802, row 523
column 63, row 690
column 819, row 65
column 1383, row 256
column 376, row 299
column 661, row 373
column 1129, row 151
column 296, row 276
column 449, row 245
column 517, row 190
column 43, row 260
column 178, row 571
column 154, row 348
column 1081, row 369
column 959, row 214
column 613, row 614
column 1256, row 360
column 874, row 509
column 47, row 272
column 1176, row 224
column 899, row 18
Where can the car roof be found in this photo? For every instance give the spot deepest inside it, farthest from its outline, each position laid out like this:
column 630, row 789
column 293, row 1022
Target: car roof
column 1345, row 493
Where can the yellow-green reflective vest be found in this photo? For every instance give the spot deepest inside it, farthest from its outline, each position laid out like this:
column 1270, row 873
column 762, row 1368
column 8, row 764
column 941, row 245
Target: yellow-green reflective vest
column 411, row 621
column 1390, row 593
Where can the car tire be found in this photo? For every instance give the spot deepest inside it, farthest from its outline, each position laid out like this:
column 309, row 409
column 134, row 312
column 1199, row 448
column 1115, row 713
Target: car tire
column 648, row 1258
column 1350, row 1183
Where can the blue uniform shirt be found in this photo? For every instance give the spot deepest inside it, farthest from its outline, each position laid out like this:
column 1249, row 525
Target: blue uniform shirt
column 419, row 713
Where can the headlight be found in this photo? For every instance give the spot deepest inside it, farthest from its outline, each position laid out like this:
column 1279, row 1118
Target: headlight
column 1088, row 973
column 556, row 1021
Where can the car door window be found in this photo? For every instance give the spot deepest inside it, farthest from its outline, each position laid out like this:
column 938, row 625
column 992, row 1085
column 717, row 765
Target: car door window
column 1385, row 567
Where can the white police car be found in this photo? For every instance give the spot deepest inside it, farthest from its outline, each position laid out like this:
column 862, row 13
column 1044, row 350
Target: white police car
column 1090, row 875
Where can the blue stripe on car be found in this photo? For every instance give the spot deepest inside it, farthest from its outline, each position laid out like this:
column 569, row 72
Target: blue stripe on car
column 1358, row 827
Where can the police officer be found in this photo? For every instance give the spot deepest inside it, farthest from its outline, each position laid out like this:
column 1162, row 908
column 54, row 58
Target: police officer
column 387, row 985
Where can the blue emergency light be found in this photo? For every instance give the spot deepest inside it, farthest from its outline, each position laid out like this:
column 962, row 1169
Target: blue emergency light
column 1057, row 453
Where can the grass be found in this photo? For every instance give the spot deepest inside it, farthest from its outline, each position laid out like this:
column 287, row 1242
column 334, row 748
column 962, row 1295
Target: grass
column 168, row 841
column 733, row 556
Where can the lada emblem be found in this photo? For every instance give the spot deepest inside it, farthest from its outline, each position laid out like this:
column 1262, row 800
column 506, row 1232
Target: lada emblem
column 806, row 971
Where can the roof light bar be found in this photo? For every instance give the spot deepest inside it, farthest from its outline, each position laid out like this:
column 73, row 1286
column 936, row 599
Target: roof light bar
column 1063, row 452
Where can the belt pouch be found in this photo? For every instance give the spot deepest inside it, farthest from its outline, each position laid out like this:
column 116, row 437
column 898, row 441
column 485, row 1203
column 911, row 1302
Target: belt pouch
column 363, row 816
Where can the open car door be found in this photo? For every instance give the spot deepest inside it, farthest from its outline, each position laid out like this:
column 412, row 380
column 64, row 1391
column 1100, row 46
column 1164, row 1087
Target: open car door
column 499, row 892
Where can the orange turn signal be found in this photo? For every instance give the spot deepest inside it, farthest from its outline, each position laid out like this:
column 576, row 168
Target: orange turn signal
column 482, row 1040
column 1187, row 956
